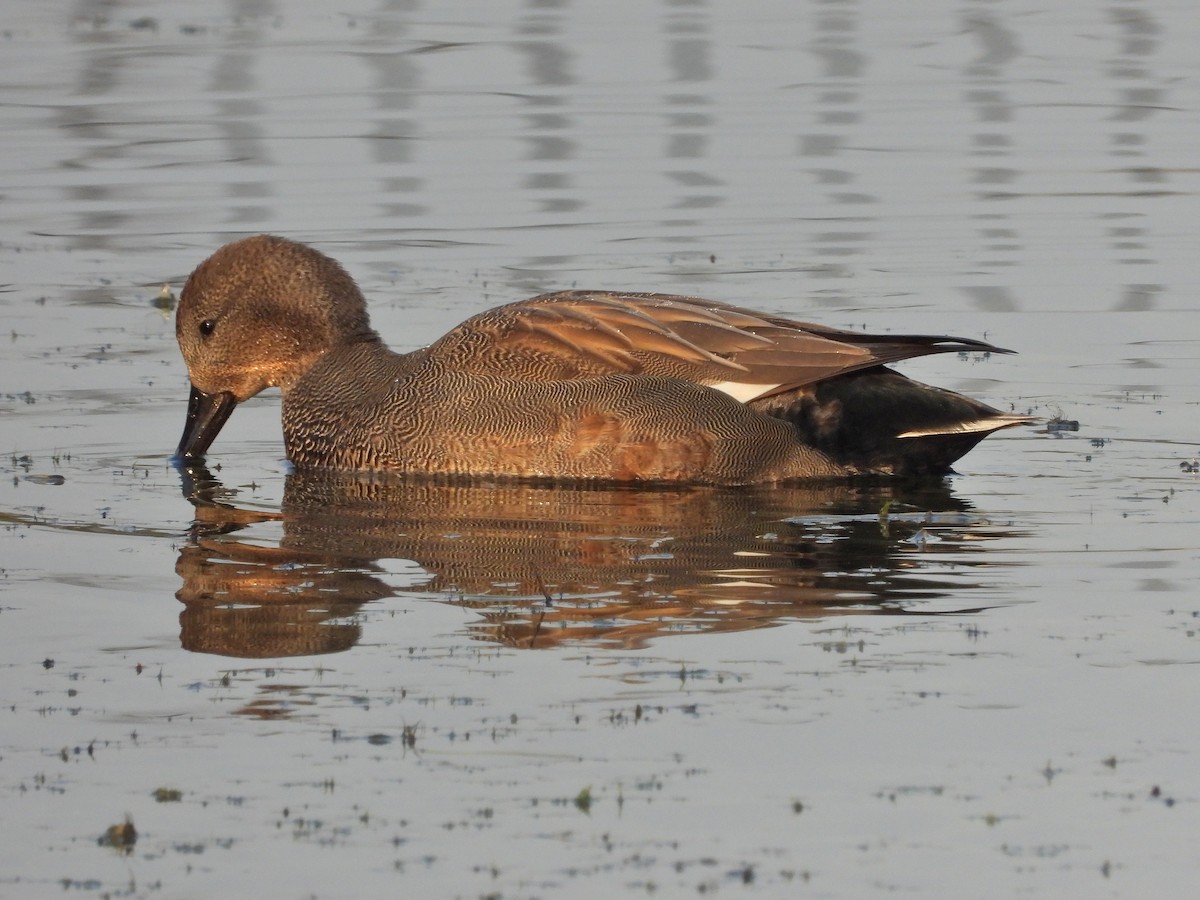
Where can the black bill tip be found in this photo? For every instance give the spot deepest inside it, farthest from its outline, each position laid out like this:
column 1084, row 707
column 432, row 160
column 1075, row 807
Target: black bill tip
column 205, row 416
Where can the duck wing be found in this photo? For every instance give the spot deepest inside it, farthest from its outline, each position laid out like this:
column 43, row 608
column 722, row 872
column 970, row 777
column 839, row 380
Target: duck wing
column 749, row 355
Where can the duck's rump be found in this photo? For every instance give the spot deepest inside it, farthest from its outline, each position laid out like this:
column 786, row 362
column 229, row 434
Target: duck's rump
column 878, row 421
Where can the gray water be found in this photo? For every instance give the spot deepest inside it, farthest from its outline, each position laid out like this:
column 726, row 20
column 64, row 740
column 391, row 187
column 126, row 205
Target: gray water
column 338, row 691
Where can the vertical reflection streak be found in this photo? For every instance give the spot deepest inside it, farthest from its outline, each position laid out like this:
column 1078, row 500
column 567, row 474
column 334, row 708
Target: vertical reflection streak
column 99, row 210
column 838, row 110
column 395, row 80
column 1138, row 97
column 235, row 86
column 987, row 78
column 688, row 122
column 549, row 64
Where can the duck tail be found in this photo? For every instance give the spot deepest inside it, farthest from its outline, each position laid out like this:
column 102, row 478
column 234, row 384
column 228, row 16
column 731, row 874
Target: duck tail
column 881, row 422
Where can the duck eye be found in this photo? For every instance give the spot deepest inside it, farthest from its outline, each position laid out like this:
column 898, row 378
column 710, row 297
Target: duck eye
column 207, row 326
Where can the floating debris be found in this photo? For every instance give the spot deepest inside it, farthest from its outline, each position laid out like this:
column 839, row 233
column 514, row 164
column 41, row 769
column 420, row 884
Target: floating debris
column 165, row 300
column 120, row 837
column 583, row 800
column 44, row 479
column 1058, row 425
column 922, row 538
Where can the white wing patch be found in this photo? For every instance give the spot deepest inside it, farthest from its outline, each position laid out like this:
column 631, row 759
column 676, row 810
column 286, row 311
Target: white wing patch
column 740, row 390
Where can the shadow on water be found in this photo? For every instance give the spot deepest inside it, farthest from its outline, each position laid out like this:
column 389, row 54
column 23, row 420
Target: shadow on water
column 541, row 566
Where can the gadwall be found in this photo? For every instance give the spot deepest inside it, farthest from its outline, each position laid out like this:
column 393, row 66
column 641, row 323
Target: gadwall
column 577, row 385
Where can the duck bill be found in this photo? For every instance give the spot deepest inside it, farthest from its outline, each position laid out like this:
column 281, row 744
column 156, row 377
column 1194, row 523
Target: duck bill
column 205, row 416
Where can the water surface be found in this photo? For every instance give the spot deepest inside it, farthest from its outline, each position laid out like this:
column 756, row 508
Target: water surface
column 353, row 688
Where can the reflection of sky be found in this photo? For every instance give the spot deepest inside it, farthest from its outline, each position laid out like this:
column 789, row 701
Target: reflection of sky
column 992, row 152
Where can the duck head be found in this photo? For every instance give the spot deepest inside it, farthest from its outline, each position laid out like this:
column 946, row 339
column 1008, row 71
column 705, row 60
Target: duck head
column 257, row 314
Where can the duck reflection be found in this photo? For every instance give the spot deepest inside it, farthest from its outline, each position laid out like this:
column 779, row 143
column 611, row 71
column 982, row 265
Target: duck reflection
column 542, row 565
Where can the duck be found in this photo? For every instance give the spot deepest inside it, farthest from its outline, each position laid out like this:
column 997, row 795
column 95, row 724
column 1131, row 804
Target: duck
column 575, row 386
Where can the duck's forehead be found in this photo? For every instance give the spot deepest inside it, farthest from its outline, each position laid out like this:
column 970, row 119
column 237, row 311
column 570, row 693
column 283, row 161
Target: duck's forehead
column 203, row 290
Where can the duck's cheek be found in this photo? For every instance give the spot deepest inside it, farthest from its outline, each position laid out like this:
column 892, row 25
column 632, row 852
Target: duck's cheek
column 253, row 379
